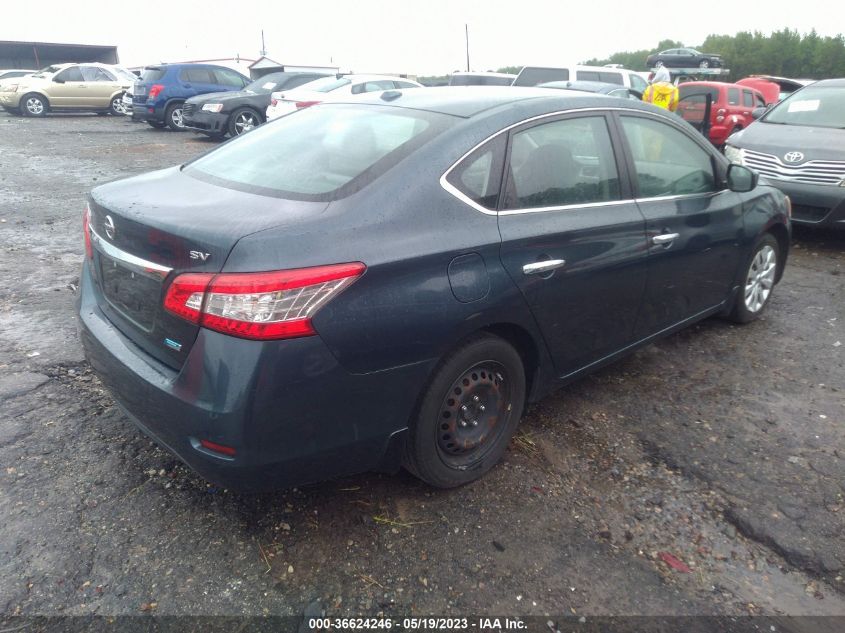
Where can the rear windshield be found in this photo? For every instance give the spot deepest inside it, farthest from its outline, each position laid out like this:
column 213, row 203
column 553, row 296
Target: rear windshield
column 324, row 152
column 326, row 84
column 152, row 74
column 534, row 76
column 818, row 107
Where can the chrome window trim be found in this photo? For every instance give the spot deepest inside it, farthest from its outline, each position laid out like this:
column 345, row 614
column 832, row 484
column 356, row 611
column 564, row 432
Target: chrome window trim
column 140, row 265
column 454, row 191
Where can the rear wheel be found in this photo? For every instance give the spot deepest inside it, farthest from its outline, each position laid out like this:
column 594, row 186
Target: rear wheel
column 243, row 120
column 759, row 281
column 34, row 104
column 173, row 117
column 116, row 107
column 467, row 413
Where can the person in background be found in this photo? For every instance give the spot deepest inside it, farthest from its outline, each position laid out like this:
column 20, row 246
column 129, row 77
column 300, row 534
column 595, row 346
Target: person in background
column 662, row 92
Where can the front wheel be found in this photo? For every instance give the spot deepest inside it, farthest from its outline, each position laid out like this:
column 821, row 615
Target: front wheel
column 760, row 276
column 467, row 413
column 34, row 105
column 173, row 117
column 243, row 120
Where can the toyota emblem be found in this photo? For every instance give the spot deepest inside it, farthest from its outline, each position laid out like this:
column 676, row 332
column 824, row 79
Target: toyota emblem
column 793, row 157
column 109, row 226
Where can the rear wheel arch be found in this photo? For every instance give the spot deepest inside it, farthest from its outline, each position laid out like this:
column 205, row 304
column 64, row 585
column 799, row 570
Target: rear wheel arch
column 525, row 345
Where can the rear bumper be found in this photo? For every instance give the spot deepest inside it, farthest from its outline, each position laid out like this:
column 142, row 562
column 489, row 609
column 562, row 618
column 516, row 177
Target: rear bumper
column 214, row 123
column 290, row 411
column 813, row 205
column 144, row 112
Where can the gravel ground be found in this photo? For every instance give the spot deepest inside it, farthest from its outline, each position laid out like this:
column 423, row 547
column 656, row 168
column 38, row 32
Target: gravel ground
column 705, row 474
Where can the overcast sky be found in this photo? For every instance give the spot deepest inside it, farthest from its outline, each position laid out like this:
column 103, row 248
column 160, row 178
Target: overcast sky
column 409, row 36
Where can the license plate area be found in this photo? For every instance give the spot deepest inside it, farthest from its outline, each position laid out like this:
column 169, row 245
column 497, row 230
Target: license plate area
column 133, row 293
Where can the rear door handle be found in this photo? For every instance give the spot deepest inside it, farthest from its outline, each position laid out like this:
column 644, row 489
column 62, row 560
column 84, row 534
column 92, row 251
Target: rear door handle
column 544, row 266
column 664, row 239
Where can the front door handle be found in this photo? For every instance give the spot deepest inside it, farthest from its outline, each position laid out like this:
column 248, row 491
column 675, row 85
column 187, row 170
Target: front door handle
column 664, row 239
column 544, row 266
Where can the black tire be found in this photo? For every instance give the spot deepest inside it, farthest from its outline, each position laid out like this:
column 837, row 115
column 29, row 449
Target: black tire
column 156, row 124
column 34, row 104
column 116, row 106
column 467, row 413
column 745, row 308
column 704, row 64
column 239, row 121
column 173, row 117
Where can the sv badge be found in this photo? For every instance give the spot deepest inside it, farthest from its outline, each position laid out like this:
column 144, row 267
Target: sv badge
column 200, row 255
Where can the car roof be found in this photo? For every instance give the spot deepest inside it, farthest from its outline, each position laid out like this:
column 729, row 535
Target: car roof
column 829, row 83
column 469, row 101
column 584, row 86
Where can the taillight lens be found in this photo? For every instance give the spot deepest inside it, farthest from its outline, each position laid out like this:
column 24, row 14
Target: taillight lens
column 155, row 90
column 306, row 104
column 269, row 305
column 86, row 231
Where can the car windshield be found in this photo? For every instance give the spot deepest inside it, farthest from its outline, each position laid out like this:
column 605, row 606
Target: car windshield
column 49, row 70
column 152, row 73
column 326, row 84
column 266, row 84
column 817, row 106
column 323, row 152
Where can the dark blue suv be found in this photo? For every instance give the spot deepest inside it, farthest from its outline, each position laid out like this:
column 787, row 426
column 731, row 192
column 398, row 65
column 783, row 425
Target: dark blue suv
column 158, row 97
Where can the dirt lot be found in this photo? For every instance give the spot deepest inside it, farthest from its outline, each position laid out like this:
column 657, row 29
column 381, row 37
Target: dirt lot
column 703, row 475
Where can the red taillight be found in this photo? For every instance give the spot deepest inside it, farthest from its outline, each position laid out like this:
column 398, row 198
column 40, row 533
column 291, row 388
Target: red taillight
column 155, row 90
column 218, row 448
column 86, row 231
column 269, row 305
column 305, row 104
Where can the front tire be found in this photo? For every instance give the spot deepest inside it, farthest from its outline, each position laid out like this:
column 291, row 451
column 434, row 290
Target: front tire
column 116, row 108
column 173, row 117
column 243, row 120
column 33, row 104
column 759, row 281
column 467, row 413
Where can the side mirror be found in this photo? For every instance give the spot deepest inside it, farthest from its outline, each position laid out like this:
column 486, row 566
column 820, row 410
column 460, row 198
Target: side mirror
column 741, row 179
column 756, row 113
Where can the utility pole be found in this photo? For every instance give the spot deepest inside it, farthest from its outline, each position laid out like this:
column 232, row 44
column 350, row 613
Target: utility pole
column 466, row 34
column 263, row 50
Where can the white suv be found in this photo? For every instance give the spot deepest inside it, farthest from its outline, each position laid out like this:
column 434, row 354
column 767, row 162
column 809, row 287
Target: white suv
column 535, row 75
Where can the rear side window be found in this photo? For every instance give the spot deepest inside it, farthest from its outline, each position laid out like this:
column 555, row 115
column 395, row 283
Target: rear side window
column 71, row 74
column 611, row 78
column 638, row 83
column 372, row 86
column 226, row 77
column 479, row 175
column 405, row 84
column 667, row 161
column 733, row 96
column 587, row 75
column 153, row 74
column 560, row 163
column 327, row 84
column 196, row 75
column 338, row 149
column 95, row 73
column 535, row 76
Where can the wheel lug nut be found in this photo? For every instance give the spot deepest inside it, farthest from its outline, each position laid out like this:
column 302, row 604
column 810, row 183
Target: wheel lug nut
column 464, row 408
column 475, row 398
column 481, row 407
column 475, row 422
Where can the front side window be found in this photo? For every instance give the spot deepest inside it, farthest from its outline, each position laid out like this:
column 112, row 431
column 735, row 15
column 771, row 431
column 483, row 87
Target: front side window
column 638, row 83
column 565, row 162
column 338, row 149
column 372, row 86
column 226, row 77
column 479, row 175
column 747, row 99
column 667, row 162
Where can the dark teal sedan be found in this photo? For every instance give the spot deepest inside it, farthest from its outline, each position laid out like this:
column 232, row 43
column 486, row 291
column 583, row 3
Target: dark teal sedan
column 358, row 286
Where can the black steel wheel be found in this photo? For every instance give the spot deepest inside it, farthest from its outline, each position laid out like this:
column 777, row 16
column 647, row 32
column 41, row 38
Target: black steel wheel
column 467, row 413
